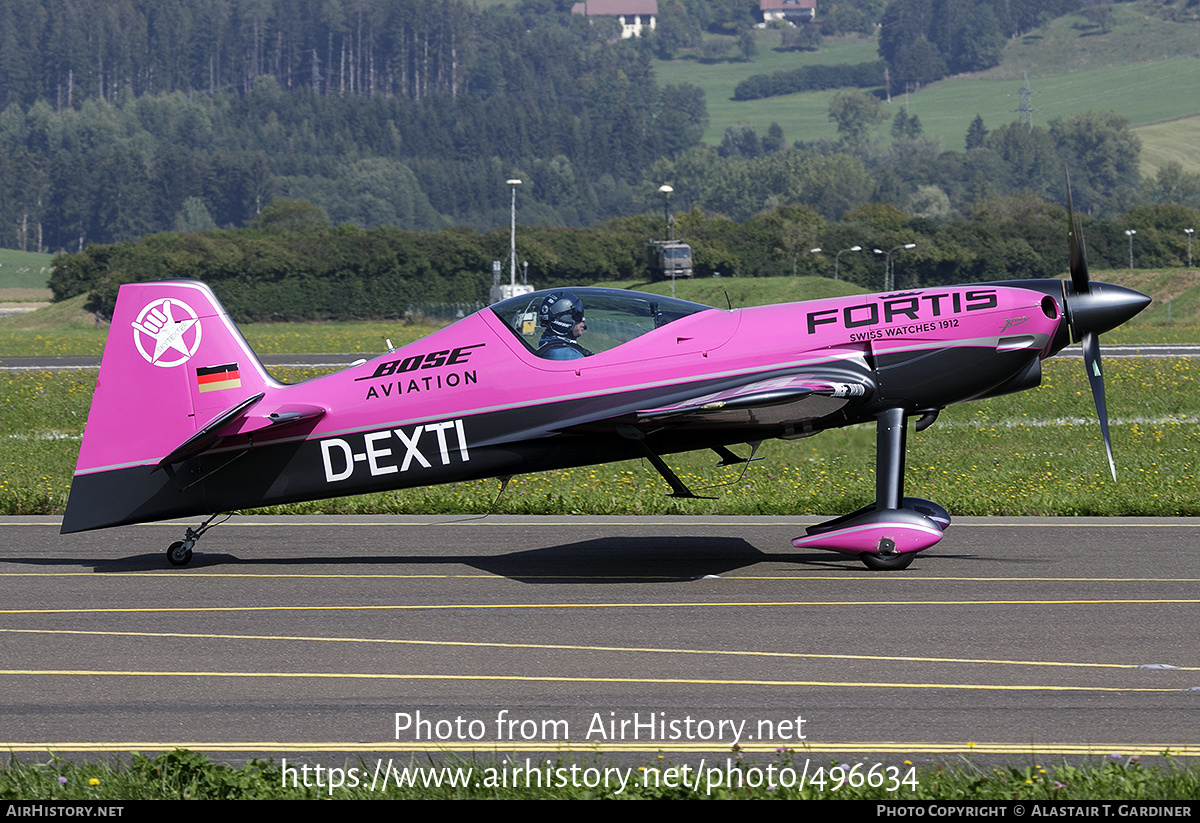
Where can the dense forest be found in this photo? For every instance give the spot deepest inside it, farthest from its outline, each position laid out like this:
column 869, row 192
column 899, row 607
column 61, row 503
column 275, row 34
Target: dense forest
column 124, row 118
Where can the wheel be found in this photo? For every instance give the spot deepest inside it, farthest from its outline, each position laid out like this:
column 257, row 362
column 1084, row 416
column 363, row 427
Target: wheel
column 891, row 563
column 179, row 554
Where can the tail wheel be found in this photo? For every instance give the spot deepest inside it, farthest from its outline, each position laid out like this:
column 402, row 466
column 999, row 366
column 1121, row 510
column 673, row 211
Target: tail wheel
column 179, row 553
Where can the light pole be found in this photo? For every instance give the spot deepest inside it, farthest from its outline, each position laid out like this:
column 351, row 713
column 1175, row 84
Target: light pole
column 837, row 260
column 796, row 258
column 665, row 190
column 1130, row 233
column 889, row 275
column 1189, row 232
column 512, row 246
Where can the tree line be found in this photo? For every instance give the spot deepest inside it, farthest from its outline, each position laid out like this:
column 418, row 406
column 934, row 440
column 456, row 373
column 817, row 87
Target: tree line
column 292, row 265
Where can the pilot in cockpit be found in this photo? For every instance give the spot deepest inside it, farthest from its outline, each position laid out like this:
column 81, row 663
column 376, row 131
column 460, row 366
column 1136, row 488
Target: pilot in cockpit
column 561, row 317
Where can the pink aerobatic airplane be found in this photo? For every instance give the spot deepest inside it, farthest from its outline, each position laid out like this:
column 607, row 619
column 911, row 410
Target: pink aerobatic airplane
column 186, row 421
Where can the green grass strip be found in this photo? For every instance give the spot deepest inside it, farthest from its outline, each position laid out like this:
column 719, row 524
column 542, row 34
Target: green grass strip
column 187, row 775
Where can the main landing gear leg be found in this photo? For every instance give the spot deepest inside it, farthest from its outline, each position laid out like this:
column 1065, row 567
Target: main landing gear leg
column 891, row 453
column 886, row 535
column 179, row 553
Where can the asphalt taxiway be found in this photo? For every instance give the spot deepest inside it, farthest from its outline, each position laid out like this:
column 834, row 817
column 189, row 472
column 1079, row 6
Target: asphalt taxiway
column 616, row 635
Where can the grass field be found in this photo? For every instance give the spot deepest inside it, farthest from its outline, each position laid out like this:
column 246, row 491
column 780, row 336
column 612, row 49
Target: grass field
column 184, row 775
column 65, row 329
column 1035, row 453
column 23, row 270
column 1139, row 69
column 1176, row 141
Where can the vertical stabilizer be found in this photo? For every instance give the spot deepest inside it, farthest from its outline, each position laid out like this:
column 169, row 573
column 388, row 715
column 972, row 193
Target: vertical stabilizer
column 173, row 361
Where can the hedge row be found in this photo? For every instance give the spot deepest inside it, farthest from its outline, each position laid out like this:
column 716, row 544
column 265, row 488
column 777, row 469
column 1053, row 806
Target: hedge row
column 811, row 78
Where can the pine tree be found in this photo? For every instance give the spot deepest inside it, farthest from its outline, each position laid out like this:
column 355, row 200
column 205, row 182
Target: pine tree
column 976, row 133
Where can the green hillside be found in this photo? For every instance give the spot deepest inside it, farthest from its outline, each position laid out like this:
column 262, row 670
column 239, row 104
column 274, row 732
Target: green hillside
column 1177, row 288
column 1138, row 69
column 1175, row 141
column 802, row 116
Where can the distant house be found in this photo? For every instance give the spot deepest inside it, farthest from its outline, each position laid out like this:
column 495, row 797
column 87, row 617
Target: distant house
column 791, row 11
column 635, row 16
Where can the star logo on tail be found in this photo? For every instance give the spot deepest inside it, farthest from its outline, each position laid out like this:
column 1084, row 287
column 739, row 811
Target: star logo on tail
column 167, row 332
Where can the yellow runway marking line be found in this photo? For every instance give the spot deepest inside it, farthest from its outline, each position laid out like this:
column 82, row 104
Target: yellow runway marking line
column 504, row 747
column 843, row 684
column 681, row 605
column 568, row 647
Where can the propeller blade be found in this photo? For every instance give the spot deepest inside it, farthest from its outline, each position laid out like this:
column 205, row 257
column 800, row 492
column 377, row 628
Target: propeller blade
column 1091, row 363
column 1090, row 311
column 1078, row 255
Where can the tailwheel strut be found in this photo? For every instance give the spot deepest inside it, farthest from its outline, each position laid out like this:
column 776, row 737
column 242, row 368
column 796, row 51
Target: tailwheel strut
column 179, row 553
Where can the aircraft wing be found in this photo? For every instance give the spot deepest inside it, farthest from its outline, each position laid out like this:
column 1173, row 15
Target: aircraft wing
column 787, row 406
column 789, row 402
column 761, row 394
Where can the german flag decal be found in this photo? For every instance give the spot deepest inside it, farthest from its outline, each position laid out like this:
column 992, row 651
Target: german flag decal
column 215, row 378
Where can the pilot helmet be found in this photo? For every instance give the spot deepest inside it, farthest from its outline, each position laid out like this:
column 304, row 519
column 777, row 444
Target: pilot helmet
column 560, row 311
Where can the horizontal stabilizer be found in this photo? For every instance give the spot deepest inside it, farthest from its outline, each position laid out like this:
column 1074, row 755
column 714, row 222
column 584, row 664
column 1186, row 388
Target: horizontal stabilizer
column 210, row 435
column 238, row 420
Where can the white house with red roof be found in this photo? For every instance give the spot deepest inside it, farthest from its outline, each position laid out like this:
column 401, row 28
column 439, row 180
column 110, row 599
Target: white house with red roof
column 790, row 11
column 635, row 16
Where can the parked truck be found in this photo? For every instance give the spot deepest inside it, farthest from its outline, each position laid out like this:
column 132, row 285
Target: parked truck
column 668, row 259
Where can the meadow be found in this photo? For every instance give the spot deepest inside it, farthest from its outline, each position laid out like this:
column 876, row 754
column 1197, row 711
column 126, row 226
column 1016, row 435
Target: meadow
column 22, row 271
column 1035, row 453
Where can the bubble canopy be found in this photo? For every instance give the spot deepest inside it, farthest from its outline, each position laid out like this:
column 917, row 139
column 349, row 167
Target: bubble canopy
column 613, row 316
